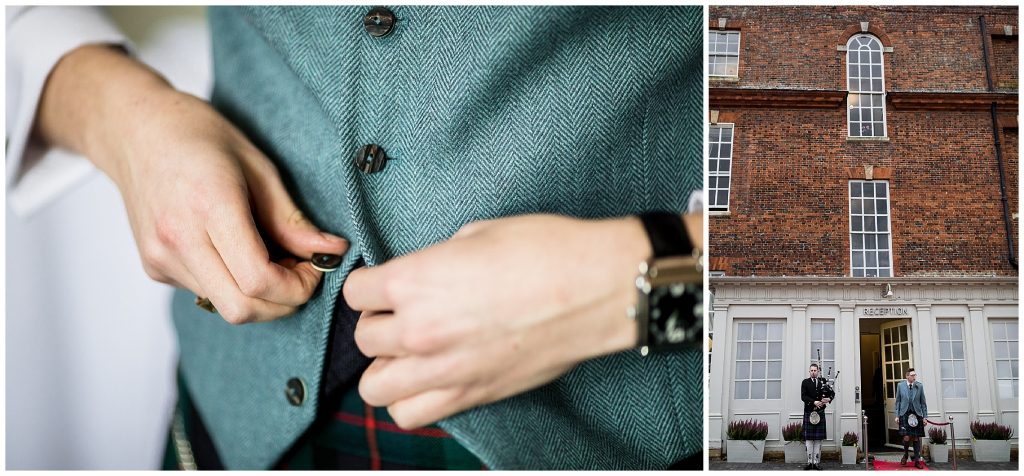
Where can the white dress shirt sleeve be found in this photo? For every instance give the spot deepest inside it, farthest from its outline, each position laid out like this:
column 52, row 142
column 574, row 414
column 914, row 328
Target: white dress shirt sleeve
column 37, row 38
column 696, row 203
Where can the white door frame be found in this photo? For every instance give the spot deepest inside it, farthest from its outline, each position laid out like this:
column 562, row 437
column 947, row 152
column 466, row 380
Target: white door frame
column 897, row 356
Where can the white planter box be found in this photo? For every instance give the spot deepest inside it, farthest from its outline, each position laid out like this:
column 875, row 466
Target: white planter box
column 849, row 454
column 796, row 452
column 745, row 451
column 939, row 453
column 996, row 451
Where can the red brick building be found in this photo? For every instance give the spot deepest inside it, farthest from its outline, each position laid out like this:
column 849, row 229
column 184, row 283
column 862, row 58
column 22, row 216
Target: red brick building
column 859, row 163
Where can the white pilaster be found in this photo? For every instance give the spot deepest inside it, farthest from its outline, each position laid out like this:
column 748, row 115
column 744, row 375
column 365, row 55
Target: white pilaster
column 984, row 405
column 848, row 347
column 926, row 359
column 796, row 351
column 717, row 391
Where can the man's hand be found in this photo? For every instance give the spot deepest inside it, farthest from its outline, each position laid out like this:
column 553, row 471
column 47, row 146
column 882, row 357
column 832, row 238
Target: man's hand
column 503, row 307
column 194, row 187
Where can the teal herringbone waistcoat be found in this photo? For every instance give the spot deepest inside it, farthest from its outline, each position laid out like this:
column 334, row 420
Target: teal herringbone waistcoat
column 485, row 112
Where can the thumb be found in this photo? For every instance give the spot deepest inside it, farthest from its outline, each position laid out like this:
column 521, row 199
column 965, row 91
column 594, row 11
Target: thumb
column 284, row 223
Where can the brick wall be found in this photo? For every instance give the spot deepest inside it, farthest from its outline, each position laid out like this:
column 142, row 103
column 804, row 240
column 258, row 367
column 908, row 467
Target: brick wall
column 789, row 212
column 934, row 48
column 1004, row 62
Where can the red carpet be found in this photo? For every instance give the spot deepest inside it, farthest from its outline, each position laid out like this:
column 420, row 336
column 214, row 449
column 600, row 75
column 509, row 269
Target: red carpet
column 895, row 466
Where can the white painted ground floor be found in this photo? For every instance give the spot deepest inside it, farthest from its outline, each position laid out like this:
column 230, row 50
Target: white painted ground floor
column 959, row 333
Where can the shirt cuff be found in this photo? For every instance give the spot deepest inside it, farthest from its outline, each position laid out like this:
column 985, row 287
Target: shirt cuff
column 696, row 204
column 37, row 38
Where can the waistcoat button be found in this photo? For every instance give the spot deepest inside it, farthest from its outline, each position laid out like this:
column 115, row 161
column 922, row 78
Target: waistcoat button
column 295, row 391
column 379, row 22
column 325, row 262
column 370, row 158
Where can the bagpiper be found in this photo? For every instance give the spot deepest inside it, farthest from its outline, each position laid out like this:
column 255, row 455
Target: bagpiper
column 816, row 393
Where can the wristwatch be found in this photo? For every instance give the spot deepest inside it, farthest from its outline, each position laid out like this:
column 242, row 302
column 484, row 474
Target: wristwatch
column 670, row 287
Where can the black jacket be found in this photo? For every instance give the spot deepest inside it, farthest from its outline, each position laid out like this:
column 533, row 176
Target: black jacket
column 809, row 394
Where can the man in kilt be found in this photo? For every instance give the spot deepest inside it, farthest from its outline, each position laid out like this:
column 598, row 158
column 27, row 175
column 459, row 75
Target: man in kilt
column 816, row 394
column 911, row 410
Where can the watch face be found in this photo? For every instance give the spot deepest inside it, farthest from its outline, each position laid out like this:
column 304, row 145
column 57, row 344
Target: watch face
column 676, row 314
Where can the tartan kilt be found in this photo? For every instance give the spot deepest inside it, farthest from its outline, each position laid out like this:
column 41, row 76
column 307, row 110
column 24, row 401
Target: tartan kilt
column 353, row 435
column 907, row 430
column 814, row 432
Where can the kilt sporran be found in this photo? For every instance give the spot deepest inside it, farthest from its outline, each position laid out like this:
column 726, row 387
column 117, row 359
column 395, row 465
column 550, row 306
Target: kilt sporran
column 814, row 425
column 910, row 425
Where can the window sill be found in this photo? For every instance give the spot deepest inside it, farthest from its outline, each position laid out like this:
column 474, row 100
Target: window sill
column 723, row 78
column 867, row 139
column 719, row 213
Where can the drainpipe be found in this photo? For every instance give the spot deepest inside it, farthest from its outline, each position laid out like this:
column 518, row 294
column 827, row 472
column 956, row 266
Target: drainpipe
column 999, row 147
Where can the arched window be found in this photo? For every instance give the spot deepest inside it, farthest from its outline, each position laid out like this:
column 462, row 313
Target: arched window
column 865, row 79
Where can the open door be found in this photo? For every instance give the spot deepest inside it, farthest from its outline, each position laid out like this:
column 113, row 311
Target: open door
column 896, row 360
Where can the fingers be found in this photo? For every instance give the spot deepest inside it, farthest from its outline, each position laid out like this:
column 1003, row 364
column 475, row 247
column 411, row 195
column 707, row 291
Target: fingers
column 281, row 218
column 389, row 380
column 411, row 277
column 213, row 277
column 159, row 266
column 385, row 334
column 386, row 286
column 371, row 289
column 429, row 407
column 236, row 239
column 182, row 278
column 379, row 334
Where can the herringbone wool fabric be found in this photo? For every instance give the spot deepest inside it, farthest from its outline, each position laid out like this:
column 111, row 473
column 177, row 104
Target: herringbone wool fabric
column 485, row 112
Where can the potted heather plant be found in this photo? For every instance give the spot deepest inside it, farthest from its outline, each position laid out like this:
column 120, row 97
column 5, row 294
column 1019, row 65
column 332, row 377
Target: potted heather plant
column 746, row 441
column 850, row 448
column 795, row 450
column 937, row 446
column 991, row 441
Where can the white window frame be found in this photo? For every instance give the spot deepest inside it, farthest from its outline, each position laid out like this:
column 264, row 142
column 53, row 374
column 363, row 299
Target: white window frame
column 713, row 207
column 881, row 94
column 1012, row 340
column 818, row 340
column 887, row 234
column 724, row 54
column 748, row 380
column 949, row 359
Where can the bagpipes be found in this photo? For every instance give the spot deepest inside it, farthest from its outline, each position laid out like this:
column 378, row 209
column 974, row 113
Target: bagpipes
column 830, row 381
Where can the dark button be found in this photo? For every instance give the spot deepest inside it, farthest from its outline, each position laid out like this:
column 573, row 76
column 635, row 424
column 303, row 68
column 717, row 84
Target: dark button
column 325, row 262
column 295, row 391
column 370, row 158
column 379, row 22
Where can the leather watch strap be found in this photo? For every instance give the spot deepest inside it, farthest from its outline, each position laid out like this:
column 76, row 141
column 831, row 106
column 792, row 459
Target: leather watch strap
column 667, row 234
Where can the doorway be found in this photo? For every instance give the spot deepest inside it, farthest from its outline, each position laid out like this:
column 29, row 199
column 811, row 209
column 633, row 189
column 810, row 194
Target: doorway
column 886, row 350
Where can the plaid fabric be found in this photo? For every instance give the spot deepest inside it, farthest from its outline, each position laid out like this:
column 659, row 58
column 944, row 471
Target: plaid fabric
column 353, row 436
column 907, row 430
column 814, row 432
